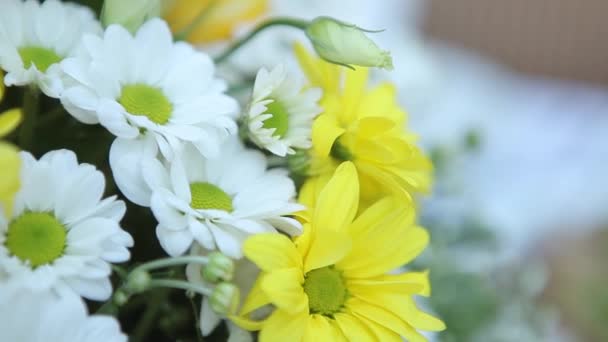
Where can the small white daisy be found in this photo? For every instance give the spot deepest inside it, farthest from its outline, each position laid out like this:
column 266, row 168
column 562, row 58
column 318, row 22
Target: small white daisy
column 38, row 317
column 62, row 236
column 281, row 113
column 218, row 202
column 35, row 38
column 148, row 86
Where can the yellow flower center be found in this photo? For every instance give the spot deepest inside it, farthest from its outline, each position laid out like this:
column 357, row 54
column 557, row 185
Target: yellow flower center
column 36, row 237
column 279, row 119
column 41, row 57
column 208, row 196
column 326, row 291
column 144, row 100
column 340, row 152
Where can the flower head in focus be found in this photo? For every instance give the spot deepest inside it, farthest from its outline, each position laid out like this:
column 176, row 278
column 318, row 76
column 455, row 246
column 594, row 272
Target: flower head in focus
column 9, row 157
column 280, row 114
column 219, row 202
column 35, row 38
column 334, row 282
column 346, row 44
column 61, row 235
column 218, row 18
column 150, row 92
column 36, row 317
column 365, row 126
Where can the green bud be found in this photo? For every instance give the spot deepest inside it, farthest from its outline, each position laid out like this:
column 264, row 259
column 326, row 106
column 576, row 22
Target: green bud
column 138, row 281
column 219, row 268
column 225, row 299
column 129, row 13
column 346, row 44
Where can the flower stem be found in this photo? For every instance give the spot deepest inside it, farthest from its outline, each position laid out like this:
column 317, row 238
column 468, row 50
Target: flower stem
column 280, row 21
column 180, row 284
column 31, row 106
column 167, row 262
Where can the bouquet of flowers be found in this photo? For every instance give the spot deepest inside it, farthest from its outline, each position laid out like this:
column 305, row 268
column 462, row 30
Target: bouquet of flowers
column 148, row 188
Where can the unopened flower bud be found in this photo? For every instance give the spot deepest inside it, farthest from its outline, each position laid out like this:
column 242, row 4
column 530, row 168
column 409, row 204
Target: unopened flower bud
column 219, row 268
column 346, row 44
column 225, row 299
column 138, row 281
column 129, row 13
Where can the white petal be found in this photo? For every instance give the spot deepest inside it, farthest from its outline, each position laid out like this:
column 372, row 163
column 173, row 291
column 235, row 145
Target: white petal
column 174, row 242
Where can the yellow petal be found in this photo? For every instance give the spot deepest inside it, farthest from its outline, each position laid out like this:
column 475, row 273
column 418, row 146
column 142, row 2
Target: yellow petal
column 405, row 283
column 385, row 318
column 256, row 297
column 10, row 165
column 272, row 251
column 9, row 120
column 353, row 328
column 221, row 19
column 281, row 326
column 337, row 204
column 319, row 73
column 380, row 331
column 325, row 131
column 385, row 251
column 354, row 88
column 327, row 249
column 321, row 329
column 246, row 323
column 381, row 101
column 373, row 126
column 284, row 289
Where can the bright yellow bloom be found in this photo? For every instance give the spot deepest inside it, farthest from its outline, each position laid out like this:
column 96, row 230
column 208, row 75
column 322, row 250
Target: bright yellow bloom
column 365, row 126
column 333, row 282
column 9, row 159
column 220, row 21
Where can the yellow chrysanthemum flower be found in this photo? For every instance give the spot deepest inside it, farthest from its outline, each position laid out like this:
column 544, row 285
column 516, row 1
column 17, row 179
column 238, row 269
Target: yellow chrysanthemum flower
column 365, row 126
column 333, row 282
column 221, row 18
column 9, row 159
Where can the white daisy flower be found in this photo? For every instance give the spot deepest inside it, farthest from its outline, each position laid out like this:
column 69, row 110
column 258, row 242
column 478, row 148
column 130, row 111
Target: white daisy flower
column 281, row 113
column 218, row 202
column 35, row 38
column 39, row 317
column 62, row 236
column 146, row 89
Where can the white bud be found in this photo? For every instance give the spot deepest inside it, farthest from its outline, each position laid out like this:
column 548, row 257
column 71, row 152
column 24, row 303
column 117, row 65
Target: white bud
column 346, row 44
column 219, row 267
column 225, row 299
column 129, row 13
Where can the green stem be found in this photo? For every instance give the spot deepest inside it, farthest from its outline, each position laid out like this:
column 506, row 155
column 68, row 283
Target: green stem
column 31, row 106
column 149, row 317
column 187, row 31
column 108, row 308
column 167, row 262
column 280, row 21
column 181, row 285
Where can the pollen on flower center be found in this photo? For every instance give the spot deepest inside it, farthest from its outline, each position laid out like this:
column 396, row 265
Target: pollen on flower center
column 326, row 291
column 144, row 100
column 208, row 196
column 279, row 120
column 36, row 237
column 41, row 57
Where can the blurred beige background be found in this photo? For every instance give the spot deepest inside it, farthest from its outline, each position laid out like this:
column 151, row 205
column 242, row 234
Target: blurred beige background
column 560, row 38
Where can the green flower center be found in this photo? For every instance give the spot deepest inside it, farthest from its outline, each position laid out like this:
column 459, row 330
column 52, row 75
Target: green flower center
column 340, row 152
column 326, row 291
column 279, row 119
column 36, row 237
column 41, row 57
column 208, row 196
column 144, row 100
